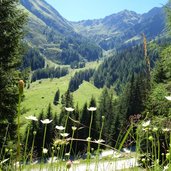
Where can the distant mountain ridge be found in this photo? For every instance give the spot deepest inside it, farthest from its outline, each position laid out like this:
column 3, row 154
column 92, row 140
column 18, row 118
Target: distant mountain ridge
column 67, row 42
column 124, row 27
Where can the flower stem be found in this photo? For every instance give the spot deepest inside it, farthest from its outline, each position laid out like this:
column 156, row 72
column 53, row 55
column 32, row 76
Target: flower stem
column 89, row 137
column 62, row 148
column 25, row 150
column 18, row 128
column 32, row 148
column 98, row 148
column 44, row 137
column 5, row 138
column 71, row 143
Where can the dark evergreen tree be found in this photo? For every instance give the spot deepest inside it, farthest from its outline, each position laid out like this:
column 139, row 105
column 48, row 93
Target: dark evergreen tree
column 56, row 98
column 39, row 135
column 50, row 128
column 56, row 122
column 66, row 101
column 108, row 110
column 12, row 20
column 94, row 127
column 83, row 130
column 132, row 101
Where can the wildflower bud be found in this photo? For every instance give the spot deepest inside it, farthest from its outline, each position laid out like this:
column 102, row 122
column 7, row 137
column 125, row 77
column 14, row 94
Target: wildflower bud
column 155, row 129
column 21, row 86
column 45, row 151
column 143, row 160
column 67, row 154
column 150, row 138
column 103, row 118
column 34, row 132
column 167, row 155
column 74, row 128
column 88, row 139
column 68, row 164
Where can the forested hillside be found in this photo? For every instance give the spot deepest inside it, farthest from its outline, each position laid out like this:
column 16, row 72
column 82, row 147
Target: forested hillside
column 53, row 36
column 118, row 69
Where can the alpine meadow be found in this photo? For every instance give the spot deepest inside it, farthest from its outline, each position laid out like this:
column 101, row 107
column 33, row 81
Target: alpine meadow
column 90, row 94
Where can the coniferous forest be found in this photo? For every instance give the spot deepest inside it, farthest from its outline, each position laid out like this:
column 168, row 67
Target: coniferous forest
column 69, row 93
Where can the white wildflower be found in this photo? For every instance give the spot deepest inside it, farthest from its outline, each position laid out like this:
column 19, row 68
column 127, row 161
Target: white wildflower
column 33, row 118
column 67, row 154
column 168, row 97
column 46, row 121
column 45, row 150
column 69, row 109
column 64, row 134
column 166, row 168
column 126, row 150
column 99, row 141
column 59, row 127
column 165, row 129
column 3, row 161
column 74, row 128
column 145, row 124
column 92, row 109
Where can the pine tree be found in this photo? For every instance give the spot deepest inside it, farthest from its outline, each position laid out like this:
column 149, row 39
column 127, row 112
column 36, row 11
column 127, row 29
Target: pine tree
column 12, row 20
column 66, row 101
column 39, row 135
column 56, row 122
column 106, row 109
column 56, row 98
column 50, row 127
column 83, row 131
column 94, row 127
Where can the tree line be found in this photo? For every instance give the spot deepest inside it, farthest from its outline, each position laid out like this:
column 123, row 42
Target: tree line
column 49, row 72
column 78, row 79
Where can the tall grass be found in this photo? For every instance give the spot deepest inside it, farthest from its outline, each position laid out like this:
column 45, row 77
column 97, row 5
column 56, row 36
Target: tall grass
column 152, row 141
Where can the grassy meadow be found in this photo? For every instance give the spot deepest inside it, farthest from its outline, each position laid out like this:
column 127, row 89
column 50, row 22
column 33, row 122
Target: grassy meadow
column 42, row 92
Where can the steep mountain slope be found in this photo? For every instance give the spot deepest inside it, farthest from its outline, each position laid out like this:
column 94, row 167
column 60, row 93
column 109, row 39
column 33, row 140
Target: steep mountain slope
column 48, row 15
column 54, row 36
column 122, row 28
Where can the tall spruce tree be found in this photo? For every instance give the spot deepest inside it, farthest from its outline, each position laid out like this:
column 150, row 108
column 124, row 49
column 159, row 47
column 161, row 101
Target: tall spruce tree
column 67, row 101
column 94, row 127
column 50, row 127
column 83, row 130
column 39, row 135
column 56, row 98
column 12, row 20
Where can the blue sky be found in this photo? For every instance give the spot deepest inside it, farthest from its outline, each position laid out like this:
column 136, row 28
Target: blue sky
column 75, row 10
